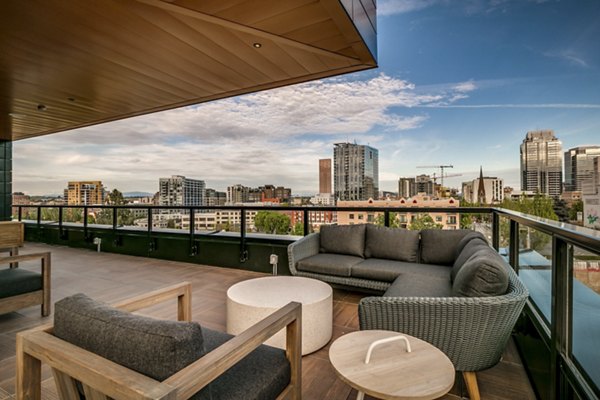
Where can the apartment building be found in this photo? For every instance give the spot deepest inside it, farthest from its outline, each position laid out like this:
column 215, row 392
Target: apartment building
column 356, row 171
column 541, row 163
column 85, row 193
column 181, row 191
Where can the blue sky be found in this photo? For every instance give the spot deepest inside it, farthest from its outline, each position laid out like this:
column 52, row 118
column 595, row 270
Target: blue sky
column 459, row 82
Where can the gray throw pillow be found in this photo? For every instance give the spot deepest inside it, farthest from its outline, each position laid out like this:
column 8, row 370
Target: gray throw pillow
column 439, row 246
column 472, row 247
column 466, row 239
column 482, row 276
column 343, row 239
column 391, row 243
column 155, row 348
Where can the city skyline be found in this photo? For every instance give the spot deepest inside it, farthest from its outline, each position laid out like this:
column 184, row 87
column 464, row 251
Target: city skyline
column 474, row 111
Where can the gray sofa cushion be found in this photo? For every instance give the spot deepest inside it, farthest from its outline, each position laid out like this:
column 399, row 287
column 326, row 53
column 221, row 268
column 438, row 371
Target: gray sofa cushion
column 155, row 348
column 438, row 246
column 388, row 270
column 391, row 243
column 343, row 239
column 15, row 281
column 471, row 248
column 485, row 274
column 329, row 264
column 414, row 286
column 261, row 375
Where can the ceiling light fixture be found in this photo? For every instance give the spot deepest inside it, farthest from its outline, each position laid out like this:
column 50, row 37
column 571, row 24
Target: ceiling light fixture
column 71, row 98
column 257, row 45
column 41, row 107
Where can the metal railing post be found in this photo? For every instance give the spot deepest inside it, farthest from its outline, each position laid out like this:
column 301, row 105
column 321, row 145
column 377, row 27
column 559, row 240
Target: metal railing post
column 243, row 250
column 193, row 247
column 85, row 223
column 513, row 245
column 115, row 217
column 386, row 218
column 306, row 222
column 61, row 232
column 20, row 213
column 495, row 230
column 150, row 241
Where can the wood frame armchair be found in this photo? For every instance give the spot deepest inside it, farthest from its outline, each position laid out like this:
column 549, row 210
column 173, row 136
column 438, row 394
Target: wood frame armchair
column 103, row 379
column 42, row 296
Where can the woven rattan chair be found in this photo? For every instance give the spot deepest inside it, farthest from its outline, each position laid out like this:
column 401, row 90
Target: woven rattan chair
column 471, row 331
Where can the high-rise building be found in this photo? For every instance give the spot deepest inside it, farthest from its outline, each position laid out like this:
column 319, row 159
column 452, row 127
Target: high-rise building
column 237, row 194
column 424, row 184
column 85, row 193
column 406, row 188
column 579, row 167
column 541, row 163
column 215, row 198
column 356, row 172
column 325, row 176
column 181, row 191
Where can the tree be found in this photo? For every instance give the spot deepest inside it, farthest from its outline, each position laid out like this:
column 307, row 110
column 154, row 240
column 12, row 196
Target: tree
column 575, row 208
column 124, row 216
column 298, row 229
column 561, row 210
column 424, row 221
column 394, row 221
column 272, row 222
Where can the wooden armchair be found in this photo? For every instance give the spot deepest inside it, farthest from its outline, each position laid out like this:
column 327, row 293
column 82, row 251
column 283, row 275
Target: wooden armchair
column 102, row 379
column 20, row 288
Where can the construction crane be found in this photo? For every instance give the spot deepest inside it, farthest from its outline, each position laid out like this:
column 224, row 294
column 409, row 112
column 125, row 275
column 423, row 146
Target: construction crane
column 434, row 177
column 441, row 167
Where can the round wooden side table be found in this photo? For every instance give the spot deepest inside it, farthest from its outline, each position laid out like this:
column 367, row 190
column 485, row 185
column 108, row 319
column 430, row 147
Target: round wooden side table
column 391, row 373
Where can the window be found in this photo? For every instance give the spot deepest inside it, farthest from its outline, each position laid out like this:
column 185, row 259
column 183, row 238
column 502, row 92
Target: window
column 351, row 216
column 452, row 219
column 361, row 216
column 438, row 218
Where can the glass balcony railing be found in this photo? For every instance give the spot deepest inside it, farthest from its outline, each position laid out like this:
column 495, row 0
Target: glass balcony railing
column 558, row 337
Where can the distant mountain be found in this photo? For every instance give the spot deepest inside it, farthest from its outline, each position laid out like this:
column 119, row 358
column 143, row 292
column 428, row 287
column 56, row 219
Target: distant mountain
column 137, row 194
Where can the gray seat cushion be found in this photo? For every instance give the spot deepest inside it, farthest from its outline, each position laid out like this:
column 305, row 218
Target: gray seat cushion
column 439, row 246
column 261, row 375
column 485, row 274
column 388, row 270
column 471, row 247
column 391, row 243
column 328, row 264
column 15, row 281
column 155, row 348
column 414, row 286
column 343, row 239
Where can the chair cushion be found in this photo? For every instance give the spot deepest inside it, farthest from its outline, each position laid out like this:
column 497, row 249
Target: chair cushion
column 388, row 270
column 343, row 239
column 15, row 281
column 329, row 264
column 471, row 247
column 261, row 375
column 439, row 246
column 155, row 348
column 391, row 243
column 414, row 286
column 484, row 274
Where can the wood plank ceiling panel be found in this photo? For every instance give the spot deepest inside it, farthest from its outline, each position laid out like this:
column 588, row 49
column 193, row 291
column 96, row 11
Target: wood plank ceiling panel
column 65, row 65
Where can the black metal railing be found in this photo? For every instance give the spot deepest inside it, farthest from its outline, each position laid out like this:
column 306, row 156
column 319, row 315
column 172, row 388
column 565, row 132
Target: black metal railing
column 569, row 376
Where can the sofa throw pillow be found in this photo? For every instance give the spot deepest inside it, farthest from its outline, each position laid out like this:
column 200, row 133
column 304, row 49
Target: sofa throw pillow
column 343, row 239
column 483, row 275
column 466, row 239
column 391, row 243
column 155, row 348
column 439, row 246
column 473, row 246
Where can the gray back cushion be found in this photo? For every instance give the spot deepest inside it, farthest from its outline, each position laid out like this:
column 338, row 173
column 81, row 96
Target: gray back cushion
column 391, row 243
column 472, row 235
column 439, row 246
column 154, row 348
column 483, row 275
column 343, row 239
column 474, row 245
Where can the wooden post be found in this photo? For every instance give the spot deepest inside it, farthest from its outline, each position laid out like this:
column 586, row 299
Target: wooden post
column 29, row 374
column 294, row 354
column 471, row 381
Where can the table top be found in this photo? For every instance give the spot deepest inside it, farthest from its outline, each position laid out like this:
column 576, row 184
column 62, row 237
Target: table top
column 277, row 291
column 392, row 373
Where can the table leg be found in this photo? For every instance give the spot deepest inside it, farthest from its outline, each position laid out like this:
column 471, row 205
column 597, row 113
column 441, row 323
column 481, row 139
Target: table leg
column 360, row 395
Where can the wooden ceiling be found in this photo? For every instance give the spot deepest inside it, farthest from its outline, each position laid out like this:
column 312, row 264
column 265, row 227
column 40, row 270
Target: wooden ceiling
column 68, row 64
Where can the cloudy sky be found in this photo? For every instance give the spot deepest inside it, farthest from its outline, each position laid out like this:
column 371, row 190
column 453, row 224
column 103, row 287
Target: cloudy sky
column 459, row 82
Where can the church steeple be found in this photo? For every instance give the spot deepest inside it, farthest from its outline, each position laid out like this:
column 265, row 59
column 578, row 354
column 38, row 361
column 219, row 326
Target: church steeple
column 481, row 188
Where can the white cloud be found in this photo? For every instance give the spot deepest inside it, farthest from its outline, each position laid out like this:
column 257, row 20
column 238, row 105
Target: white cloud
column 274, row 136
column 569, row 56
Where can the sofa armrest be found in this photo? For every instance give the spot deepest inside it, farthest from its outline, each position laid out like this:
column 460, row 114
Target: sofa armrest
column 471, row 331
column 305, row 247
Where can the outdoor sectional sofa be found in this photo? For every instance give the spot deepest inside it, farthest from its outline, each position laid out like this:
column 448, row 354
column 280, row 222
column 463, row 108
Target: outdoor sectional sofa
column 447, row 287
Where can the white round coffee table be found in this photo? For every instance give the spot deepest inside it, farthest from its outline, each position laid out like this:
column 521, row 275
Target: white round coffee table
column 250, row 301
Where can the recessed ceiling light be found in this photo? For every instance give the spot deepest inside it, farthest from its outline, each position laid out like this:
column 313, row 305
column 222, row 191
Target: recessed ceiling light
column 41, row 107
column 257, row 45
column 71, row 98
